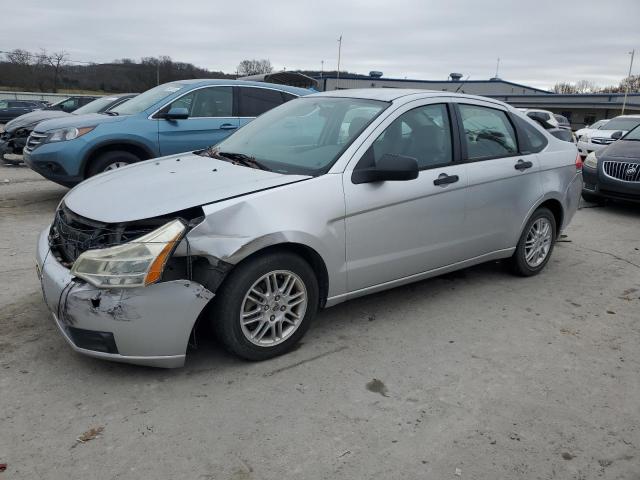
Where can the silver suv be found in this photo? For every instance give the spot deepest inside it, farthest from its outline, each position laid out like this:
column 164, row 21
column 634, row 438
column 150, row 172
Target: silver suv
column 321, row 200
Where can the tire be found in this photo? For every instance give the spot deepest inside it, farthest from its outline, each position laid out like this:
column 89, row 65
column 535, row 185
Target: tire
column 108, row 161
column 233, row 299
column 592, row 198
column 525, row 261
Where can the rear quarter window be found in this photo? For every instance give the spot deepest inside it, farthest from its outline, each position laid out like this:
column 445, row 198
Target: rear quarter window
column 532, row 140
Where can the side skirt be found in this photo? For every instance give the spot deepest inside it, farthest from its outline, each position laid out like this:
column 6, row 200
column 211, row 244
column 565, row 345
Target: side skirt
column 497, row 255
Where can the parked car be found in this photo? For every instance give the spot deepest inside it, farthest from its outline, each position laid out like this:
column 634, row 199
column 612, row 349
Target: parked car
column 588, row 130
column 599, row 140
column 171, row 118
column 297, row 211
column 563, row 122
column 614, row 172
column 551, row 128
column 72, row 103
column 544, row 115
column 10, row 109
column 15, row 134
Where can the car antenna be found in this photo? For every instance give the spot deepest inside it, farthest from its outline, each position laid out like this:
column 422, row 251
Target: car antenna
column 462, row 84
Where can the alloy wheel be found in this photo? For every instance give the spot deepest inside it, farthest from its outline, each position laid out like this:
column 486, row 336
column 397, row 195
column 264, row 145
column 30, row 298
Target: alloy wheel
column 538, row 242
column 273, row 308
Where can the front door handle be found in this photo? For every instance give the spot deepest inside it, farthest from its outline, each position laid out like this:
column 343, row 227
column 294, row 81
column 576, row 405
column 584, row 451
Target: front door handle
column 522, row 165
column 444, row 179
column 227, row 126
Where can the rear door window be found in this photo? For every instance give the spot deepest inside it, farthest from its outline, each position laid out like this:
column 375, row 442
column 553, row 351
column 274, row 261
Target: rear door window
column 488, row 133
column 256, row 101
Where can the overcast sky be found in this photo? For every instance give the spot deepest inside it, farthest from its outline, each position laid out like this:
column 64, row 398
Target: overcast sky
column 539, row 42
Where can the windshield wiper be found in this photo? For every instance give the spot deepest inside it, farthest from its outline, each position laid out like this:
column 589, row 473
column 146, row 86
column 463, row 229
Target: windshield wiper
column 111, row 113
column 245, row 160
column 235, row 158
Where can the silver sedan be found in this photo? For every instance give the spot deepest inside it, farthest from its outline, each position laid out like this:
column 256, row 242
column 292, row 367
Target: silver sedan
column 321, row 200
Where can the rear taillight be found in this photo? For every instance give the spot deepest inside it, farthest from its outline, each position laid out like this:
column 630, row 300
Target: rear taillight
column 578, row 162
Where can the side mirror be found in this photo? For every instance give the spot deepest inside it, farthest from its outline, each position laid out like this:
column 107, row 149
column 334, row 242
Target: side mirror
column 617, row 135
column 389, row 168
column 177, row 113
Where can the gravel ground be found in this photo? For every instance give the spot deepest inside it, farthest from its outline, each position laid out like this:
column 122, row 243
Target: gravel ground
column 476, row 375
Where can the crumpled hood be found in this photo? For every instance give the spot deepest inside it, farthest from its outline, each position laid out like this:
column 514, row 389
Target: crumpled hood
column 33, row 118
column 88, row 120
column 622, row 149
column 164, row 185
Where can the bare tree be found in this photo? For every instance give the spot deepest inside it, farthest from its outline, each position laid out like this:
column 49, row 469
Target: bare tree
column 254, row 67
column 57, row 60
column 19, row 57
column 586, row 86
column 564, row 87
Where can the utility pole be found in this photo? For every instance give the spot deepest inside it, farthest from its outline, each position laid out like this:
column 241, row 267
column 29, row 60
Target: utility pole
column 158, row 72
column 498, row 67
column 626, row 90
column 339, row 51
column 321, row 68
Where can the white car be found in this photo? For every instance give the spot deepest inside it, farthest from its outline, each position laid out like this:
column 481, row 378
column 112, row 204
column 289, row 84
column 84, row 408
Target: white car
column 600, row 139
column 544, row 115
column 588, row 130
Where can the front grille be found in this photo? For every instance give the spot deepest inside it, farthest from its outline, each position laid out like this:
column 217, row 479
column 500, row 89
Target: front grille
column 627, row 171
column 33, row 141
column 603, row 140
column 71, row 235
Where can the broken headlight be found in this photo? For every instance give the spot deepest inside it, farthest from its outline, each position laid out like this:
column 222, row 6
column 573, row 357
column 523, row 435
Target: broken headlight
column 134, row 264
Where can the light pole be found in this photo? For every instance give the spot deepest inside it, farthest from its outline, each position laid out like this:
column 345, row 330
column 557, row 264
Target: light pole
column 626, row 90
column 321, row 68
column 339, row 51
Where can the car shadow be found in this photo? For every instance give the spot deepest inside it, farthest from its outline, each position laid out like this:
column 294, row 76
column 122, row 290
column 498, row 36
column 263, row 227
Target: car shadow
column 330, row 333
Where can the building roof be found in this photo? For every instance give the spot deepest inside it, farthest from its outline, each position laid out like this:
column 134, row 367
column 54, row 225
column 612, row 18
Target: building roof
column 464, row 82
column 284, row 78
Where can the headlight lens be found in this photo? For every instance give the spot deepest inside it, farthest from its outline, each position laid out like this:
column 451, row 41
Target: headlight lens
column 69, row 133
column 591, row 161
column 134, row 264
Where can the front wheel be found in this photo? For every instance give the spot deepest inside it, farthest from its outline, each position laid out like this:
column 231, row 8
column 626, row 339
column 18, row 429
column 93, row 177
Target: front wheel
column 265, row 306
column 535, row 245
column 110, row 161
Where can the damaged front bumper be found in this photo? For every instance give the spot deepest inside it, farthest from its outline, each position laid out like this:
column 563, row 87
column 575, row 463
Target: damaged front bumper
column 145, row 326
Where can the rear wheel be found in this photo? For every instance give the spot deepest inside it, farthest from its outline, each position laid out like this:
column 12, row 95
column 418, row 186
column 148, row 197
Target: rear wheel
column 535, row 245
column 110, row 161
column 265, row 306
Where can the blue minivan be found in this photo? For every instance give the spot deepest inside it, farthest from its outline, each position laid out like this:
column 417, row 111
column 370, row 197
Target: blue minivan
column 171, row 118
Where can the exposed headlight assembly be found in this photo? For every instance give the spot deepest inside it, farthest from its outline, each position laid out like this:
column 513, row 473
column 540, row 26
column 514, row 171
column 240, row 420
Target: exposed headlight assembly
column 134, row 264
column 591, row 161
column 69, row 133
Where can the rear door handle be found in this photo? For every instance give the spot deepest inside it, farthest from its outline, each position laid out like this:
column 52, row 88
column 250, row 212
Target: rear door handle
column 227, row 126
column 444, row 179
column 522, row 165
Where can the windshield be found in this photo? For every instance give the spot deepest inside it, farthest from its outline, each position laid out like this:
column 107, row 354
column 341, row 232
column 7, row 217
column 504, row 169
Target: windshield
column 147, row 99
column 599, row 124
column 96, row 106
column 54, row 106
column 622, row 123
column 304, row 136
column 633, row 134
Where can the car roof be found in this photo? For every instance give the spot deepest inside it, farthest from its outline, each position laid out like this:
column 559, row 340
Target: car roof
column 393, row 94
column 246, row 83
column 626, row 116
